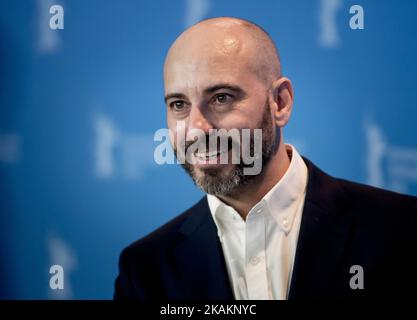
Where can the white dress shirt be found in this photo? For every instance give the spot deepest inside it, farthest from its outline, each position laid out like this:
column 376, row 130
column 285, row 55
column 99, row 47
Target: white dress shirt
column 260, row 252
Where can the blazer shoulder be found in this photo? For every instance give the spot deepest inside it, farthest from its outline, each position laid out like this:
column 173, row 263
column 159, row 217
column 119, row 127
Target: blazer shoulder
column 377, row 199
column 327, row 190
column 361, row 190
column 164, row 235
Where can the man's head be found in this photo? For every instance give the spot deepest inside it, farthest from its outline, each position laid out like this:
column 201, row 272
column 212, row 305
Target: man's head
column 225, row 73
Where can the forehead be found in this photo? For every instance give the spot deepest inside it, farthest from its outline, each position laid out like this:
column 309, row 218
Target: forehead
column 199, row 72
column 205, row 55
column 202, row 69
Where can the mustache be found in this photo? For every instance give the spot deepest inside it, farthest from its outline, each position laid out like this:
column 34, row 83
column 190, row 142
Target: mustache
column 211, row 143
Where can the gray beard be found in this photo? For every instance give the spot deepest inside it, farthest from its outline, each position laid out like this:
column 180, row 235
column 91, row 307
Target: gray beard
column 236, row 180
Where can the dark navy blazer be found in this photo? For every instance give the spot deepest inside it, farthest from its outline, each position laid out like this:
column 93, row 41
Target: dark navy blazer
column 343, row 224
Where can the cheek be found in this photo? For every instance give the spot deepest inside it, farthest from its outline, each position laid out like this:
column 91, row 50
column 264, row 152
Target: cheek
column 172, row 138
column 176, row 133
column 246, row 114
column 172, row 128
column 244, row 119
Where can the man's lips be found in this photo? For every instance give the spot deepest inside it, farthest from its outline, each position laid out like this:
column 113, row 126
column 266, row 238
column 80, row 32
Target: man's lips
column 210, row 157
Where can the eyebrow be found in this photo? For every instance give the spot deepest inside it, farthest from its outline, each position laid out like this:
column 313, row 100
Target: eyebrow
column 211, row 89
column 174, row 95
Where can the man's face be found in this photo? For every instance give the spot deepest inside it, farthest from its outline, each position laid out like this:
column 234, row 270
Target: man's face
column 215, row 88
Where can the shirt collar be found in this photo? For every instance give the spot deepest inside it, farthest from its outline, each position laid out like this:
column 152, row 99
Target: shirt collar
column 281, row 202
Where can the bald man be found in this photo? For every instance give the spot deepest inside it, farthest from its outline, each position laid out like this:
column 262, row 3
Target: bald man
column 290, row 231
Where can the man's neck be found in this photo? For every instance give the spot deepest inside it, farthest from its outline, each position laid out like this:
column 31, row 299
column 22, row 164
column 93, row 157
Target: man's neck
column 251, row 194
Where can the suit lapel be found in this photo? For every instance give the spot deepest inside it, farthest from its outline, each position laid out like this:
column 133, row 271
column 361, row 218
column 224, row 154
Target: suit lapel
column 324, row 234
column 198, row 257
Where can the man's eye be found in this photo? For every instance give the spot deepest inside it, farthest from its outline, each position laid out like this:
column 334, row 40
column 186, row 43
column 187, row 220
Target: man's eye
column 222, row 98
column 177, row 105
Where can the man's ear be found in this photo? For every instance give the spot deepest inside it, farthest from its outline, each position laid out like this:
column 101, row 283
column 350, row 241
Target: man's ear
column 281, row 98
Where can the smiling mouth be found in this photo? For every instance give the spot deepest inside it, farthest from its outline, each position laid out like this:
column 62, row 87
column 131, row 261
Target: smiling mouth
column 206, row 156
column 211, row 155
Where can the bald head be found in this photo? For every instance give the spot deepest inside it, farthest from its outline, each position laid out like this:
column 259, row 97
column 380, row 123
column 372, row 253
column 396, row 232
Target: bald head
column 229, row 41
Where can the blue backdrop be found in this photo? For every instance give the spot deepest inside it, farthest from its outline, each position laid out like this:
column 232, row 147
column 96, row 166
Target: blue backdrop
column 79, row 107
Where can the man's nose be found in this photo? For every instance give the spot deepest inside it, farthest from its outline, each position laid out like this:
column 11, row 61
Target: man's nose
column 198, row 120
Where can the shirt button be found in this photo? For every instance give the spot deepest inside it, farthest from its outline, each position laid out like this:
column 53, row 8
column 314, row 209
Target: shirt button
column 255, row 260
column 285, row 221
